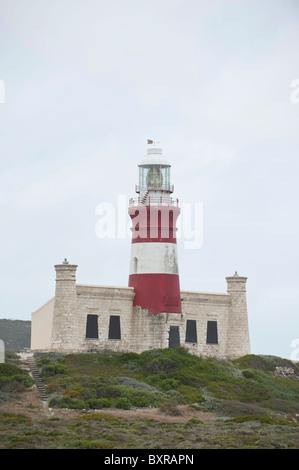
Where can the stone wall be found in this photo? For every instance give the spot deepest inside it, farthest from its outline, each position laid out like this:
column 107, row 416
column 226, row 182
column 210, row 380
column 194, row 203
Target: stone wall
column 105, row 302
column 110, row 310
column 238, row 343
column 204, row 307
column 65, row 330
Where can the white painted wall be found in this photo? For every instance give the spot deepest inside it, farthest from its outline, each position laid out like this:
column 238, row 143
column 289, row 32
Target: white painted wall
column 154, row 257
column 41, row 326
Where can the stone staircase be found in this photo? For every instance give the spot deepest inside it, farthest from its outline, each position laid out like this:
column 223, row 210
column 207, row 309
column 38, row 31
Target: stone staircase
column 35, row 374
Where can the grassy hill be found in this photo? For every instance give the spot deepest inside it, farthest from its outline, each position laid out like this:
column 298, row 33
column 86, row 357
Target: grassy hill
column 249, row 385
column 15, row 334
column 255, row 400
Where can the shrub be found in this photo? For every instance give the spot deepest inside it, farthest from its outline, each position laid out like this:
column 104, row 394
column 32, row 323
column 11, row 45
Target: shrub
column 123, row 403
column 136, row 384
column 43, row 361
column 186, row 377
column 9, row 370
column 98, row 403
column 67, row 402
column 113, row 391
column 169, row 384
column 162, row 365
column 194, row 421
column 265, row 363
column 232, row 408
column 128, row 357
column 140, row 402
column 190, row 394
column 170, row 409
column 53, row 388
column 14, row 379
column 248, row 374
column 7, row 395
column 130, row 366
column 48, row 357
column 11, row 357
column 53, row 369
column 72, row 393
column 76, row 404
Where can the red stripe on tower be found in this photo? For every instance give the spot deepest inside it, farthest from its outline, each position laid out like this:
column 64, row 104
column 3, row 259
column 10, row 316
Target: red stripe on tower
column 154, row 266
column 153, row 223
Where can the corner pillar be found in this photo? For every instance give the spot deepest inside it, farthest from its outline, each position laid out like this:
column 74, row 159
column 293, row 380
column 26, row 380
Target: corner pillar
column 65, row 306
column 238, row 343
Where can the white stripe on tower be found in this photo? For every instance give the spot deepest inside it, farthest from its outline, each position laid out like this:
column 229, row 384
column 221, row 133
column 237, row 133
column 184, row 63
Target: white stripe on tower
column 154, row 258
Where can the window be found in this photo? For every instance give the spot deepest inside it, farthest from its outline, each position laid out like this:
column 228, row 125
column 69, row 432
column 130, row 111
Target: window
column 114, row 327
column 92, row 326
column 154, row 177
column 191, row 333
column 174, row 337
column 212, row 334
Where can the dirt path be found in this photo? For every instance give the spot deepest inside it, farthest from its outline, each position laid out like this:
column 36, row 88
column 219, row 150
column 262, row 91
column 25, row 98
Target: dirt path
column 30, row 404
column 155, row 413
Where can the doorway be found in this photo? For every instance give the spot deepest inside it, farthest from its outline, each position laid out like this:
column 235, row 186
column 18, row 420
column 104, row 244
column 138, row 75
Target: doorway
column 174, row 337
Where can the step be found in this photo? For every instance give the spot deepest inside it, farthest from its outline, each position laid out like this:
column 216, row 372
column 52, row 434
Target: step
column 38, row 381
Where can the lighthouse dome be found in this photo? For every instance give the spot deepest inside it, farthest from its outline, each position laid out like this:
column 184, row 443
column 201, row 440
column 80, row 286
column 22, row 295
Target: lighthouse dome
column 154, row 157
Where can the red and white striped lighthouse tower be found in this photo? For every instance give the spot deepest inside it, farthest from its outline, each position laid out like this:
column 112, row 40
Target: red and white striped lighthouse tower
column 154, row 264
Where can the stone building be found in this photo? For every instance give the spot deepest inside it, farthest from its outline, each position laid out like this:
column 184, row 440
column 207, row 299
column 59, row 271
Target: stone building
column 152, row 312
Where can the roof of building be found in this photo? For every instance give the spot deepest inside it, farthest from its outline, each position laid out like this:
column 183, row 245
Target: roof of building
column 154, row 157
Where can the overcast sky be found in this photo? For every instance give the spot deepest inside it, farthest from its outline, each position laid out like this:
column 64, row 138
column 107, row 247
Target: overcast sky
column 87, row 82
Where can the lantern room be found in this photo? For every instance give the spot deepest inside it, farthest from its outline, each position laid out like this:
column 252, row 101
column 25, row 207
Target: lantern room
column 154, row 172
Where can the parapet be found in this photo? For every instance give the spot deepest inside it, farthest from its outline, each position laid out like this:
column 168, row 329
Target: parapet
column 66, row 271
column 236, row 283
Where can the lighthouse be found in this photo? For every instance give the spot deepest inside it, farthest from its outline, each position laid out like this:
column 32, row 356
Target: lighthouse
column 154, row 273
column 151, row 312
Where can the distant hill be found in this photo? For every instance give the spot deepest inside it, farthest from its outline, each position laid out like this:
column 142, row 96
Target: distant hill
column 15, row 334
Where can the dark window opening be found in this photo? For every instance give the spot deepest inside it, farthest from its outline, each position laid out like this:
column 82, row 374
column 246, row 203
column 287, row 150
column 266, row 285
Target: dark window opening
column 171, row 231
column 174, row 337
column 212, row 334
column 114, row 327
column 92, row 330
column 159, row 223
column 191, row 333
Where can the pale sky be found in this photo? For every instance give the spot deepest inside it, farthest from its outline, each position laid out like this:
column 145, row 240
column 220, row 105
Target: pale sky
column 87, row 82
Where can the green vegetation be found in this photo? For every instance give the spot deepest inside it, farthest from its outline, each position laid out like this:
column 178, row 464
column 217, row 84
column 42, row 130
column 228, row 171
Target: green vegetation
column 265, row 363
column 13, row 379
column 252, row 406
column 228, row 388
column 100, row 431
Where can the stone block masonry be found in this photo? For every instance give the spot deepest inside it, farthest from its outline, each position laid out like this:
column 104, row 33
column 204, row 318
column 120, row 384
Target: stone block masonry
column 84, row 318
column 238, row 343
